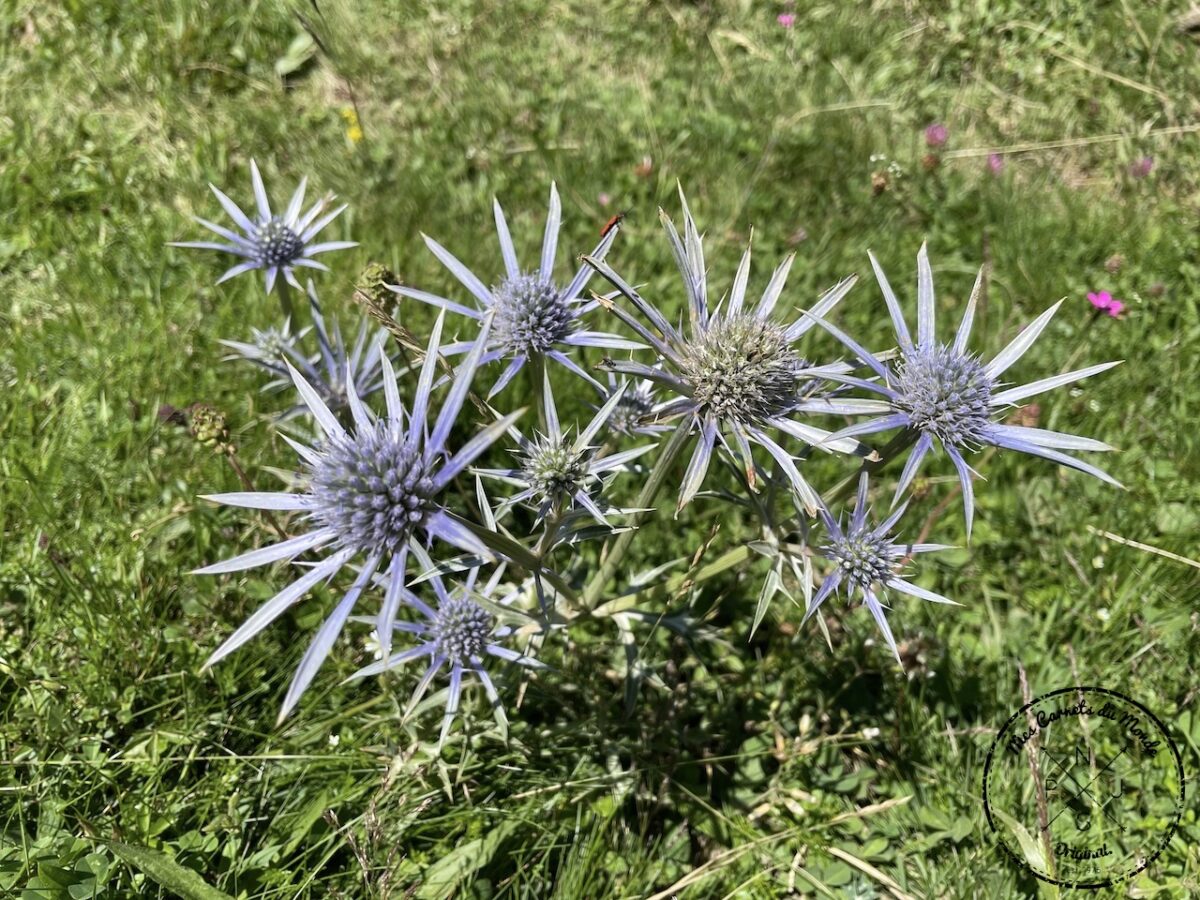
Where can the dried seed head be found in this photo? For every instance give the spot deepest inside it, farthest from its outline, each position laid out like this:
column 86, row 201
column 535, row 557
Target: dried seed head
column 743, row 369
column 531, row 315
column 945, row 393
column 553, row 469
column 864, row 558
column 275, row 244
column 371, row 488
column 461, row 630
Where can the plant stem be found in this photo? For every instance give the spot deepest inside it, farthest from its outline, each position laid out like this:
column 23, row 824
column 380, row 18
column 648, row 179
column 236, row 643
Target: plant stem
column 285, row 299
column 645, row 499
column 536, row 367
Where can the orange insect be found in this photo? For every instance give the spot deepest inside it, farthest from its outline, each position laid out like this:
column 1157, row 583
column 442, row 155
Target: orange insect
column 611, row 224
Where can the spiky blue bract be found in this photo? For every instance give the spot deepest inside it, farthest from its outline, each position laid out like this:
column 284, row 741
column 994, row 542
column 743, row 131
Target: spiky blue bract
column 275, row 243
column 328, row 369
column 458, row 635
column 374, row 492
column 736, row 374
column 555, row 471
column 945, row 395
column 867, row 560
column 533, row 316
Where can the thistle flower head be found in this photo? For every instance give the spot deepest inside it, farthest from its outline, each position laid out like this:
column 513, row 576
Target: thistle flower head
column 374, row 492
column 553, row 468
column 275, row 243
column 941, row 393
column 742, row 369
column 557, row 470
column 460, row 635
column 372, row 488
column 867, row 561
column 865, row 558
column 461, row 629
column 946, row 393
column 734, row 370
column 636, row 409
column 532, row 317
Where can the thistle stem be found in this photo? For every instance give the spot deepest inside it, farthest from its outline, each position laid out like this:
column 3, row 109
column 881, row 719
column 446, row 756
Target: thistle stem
column 285, row 299
column 654, row 482
column 536, row 367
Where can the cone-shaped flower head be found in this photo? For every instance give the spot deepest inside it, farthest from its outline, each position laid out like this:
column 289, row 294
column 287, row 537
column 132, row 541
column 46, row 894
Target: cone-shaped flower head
column 459, row 636
column 533, row 315
column 374, row 491
column 946, row 395
column 735, row 370
column 867, row 562
column 554, row 469
column 275, row 243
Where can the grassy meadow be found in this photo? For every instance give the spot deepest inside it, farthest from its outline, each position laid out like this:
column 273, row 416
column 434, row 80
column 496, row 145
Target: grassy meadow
column 752, row 767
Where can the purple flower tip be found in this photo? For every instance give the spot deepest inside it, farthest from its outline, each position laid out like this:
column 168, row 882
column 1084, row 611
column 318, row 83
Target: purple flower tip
column 936, row 134
column 787, row 20
column 995, row 163
column 1142, row 167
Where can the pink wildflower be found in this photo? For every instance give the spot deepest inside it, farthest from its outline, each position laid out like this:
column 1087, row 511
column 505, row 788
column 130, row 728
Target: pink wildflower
column 995, row 163
column 936, row 134
column 787, row 20
column 1142, row 167
column 1104, row 302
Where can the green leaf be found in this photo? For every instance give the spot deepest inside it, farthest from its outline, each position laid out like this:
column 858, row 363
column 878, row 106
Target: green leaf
column 1030, row 848
column 164, row 871
column 443, row 877
column 299, row 52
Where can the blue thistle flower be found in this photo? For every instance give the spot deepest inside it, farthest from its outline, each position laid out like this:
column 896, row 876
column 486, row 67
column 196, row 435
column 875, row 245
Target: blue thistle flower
column 533, row 317
column 735, row 372
column 867, row 561
column 373, row 491
column 327, row 371
column 947, row 395
column 637, row 411
column 458, row 634
column 274, row 243
column 555, row 471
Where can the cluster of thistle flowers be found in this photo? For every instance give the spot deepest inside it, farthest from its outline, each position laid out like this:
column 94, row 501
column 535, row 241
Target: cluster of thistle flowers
column 380, row 493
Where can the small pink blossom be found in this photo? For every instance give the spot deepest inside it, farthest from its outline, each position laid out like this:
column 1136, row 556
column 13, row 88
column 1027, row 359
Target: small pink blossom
column 1142, row 167
column 995, row 163
column 787, row 20
column 1104, row 302
column 603, row 199
column 936, row 134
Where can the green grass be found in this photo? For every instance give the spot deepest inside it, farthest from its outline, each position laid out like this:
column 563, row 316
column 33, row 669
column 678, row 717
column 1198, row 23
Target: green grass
column 742, row 774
